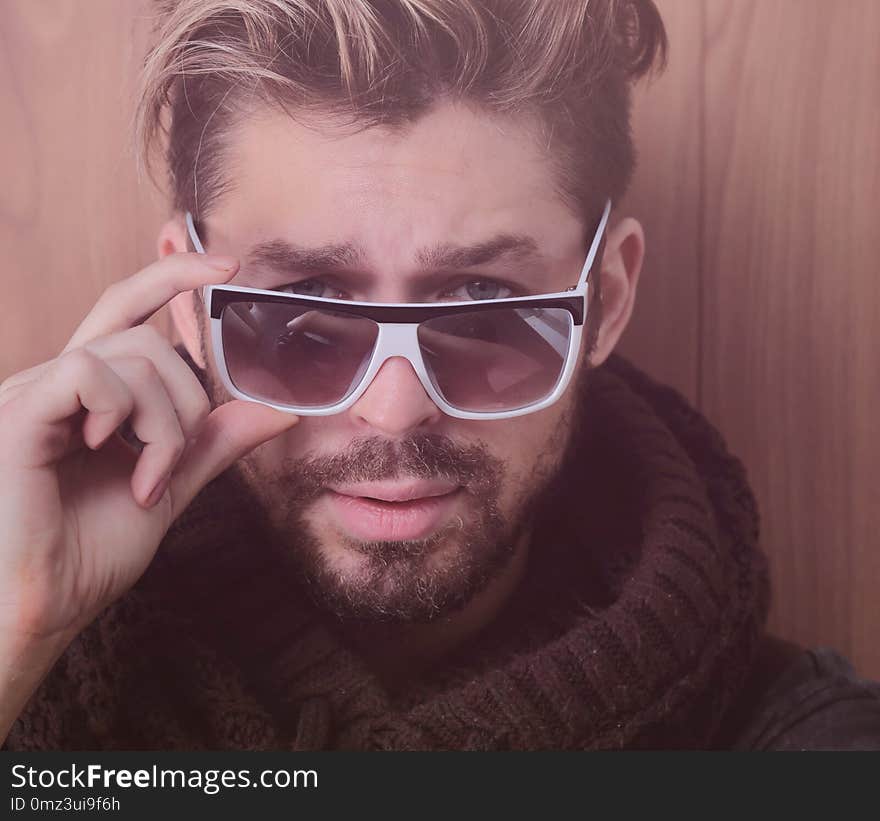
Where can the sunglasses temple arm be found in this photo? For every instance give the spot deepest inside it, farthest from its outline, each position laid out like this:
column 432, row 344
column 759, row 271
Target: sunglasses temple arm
column 597, row 240
column 195, row 244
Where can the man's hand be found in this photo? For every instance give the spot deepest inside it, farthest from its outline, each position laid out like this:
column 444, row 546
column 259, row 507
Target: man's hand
column 82, row 513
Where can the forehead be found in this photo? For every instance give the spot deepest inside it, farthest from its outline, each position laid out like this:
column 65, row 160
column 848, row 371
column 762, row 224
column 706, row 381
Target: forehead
column 456, row 175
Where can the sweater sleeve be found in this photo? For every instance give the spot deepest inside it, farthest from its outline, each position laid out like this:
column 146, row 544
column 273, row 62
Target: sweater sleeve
column 818, row 703
column 142, row 677
column 54, row 718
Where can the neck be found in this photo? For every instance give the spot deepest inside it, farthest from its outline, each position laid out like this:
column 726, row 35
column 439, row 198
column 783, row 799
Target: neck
column 398, row 653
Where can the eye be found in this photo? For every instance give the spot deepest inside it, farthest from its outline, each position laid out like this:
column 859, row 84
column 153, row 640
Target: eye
column 474, row 289
column 311, row 287
column 481, row 289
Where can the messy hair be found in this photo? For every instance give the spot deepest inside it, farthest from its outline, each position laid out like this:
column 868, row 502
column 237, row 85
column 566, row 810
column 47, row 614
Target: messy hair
column 568, row 64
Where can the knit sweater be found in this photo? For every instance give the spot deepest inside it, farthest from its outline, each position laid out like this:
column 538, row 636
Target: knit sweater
column 638, row 621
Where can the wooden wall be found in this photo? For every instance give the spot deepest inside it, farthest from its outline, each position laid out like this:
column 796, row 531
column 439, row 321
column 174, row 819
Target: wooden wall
column 758, row 188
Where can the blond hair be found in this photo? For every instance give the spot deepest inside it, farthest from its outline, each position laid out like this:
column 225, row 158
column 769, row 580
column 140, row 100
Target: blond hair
column 384, row 62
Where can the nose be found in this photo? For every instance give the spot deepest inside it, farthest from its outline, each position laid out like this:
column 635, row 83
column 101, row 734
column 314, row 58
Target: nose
column 395, row 402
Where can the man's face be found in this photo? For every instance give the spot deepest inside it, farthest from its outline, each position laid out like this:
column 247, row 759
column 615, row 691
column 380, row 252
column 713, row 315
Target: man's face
column 456, row 178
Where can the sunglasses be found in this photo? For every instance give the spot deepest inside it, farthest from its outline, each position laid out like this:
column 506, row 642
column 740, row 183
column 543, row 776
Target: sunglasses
column 476, row 359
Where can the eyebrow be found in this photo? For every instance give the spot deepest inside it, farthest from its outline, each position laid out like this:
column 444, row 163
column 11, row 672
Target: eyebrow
column 514, row 246
column 284, row 256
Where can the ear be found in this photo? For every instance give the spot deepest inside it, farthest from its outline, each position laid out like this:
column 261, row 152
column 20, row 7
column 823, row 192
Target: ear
column 621, row 266
column 172, row 239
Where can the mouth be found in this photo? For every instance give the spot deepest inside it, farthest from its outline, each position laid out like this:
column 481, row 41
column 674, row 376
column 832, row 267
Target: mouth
column 399, row 491
column 392, row 512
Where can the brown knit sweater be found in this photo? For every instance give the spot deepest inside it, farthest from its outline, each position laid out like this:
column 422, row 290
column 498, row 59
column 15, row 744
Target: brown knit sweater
column 636, row 625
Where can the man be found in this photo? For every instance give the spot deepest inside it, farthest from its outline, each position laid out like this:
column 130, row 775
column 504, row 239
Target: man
column 412, row 525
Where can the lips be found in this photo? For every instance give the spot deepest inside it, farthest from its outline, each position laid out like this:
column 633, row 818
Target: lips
column 396, row 491
column 392, row 511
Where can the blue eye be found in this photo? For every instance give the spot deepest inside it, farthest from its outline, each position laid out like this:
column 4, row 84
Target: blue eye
column 476, row 289
column 308, row 287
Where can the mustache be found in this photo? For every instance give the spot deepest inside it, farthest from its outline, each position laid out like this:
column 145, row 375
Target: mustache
column 417, row 456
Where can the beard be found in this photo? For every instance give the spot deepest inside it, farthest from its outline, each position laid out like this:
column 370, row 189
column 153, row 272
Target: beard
column 403, row 581
column 399, row 581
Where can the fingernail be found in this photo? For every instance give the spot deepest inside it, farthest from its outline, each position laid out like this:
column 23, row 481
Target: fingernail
column 221, row 263
column 158, row 490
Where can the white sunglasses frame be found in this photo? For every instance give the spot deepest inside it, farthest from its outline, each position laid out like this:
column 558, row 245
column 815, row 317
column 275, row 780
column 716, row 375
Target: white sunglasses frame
column 401, row 338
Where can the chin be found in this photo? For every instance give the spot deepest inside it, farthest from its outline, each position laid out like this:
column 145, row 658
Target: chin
column 405, row 581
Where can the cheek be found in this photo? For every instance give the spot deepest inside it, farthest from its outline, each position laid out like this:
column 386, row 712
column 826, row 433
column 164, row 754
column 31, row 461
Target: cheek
column 270, row 461
column 531, row 447
column 311, row 435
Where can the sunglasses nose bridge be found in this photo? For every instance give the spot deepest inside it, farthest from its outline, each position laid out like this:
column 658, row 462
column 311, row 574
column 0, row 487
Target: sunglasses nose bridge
column 399, row 339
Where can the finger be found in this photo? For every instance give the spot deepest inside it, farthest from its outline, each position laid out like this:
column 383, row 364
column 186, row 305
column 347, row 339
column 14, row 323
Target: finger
column 231, row 431
column 10, row 393
column 20, row 378
column 36, row 424
column 153, row 420
column 187, row 395
column 131, row 301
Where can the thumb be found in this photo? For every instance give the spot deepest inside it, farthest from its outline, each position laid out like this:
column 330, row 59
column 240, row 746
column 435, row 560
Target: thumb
column 231, row 431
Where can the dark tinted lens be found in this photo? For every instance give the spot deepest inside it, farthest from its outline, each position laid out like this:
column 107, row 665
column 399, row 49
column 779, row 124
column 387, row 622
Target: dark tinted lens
column 293, row 355
column 497, row 359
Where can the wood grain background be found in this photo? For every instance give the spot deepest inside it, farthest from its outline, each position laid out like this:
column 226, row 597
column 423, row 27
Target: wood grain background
column 758, row 187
